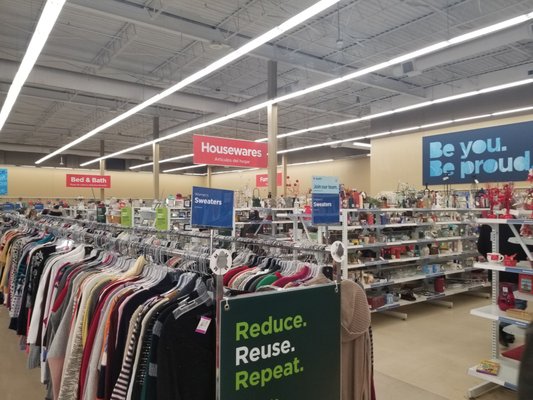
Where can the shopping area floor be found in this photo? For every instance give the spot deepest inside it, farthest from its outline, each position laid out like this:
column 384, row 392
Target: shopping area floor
column 423, row 358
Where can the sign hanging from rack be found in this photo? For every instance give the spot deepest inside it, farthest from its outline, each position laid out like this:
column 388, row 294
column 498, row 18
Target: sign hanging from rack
column 162, row 218
column 261, row 180
column 126, row 216
column 3, row 181
column 494, row 154
column 271, row 349
column 89, row 181
column 325, row 200
column 229, row 152
column 212, row 208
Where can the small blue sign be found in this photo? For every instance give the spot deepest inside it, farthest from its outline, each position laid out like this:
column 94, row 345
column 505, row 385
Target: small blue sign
column 212, row 208
column 325, row 184
column 3, row 181
column 494, row 154
column 325, row 209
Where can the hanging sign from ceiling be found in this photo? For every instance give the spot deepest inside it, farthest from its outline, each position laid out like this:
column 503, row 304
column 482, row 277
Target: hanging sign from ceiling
column 495, row 154
column 89, row 181
column 229, row 152
column 261, row 180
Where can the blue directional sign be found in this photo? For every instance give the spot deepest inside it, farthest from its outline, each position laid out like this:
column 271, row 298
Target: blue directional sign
column 212, row 208
column 3, row 181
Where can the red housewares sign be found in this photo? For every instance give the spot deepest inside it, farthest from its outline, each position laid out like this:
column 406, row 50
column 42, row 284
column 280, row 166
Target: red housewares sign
column 89, row 181
column 261, row 180
column 229, row 152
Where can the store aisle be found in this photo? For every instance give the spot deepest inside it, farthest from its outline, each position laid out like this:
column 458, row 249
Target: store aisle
column 16, row 380
column 431, row 352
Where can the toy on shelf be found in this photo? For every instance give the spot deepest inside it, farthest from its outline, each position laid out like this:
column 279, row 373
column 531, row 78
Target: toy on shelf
column 493, row 197
column 505, row 198
column 510, row 261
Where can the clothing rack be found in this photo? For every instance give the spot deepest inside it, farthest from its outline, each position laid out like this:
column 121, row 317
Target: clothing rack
column 108, row 243
column 307, row 247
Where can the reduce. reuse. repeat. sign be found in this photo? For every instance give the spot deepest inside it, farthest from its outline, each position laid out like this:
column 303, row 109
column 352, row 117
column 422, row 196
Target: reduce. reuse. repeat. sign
column 281, row 346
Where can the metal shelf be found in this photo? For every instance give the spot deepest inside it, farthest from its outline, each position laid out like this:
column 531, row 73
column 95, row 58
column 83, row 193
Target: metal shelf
column 410, row 259
column 494, row 313
column 416, row 278
column 507, row 377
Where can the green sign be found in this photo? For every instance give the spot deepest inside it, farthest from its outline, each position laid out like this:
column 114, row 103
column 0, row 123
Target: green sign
column 281, row 345
column 162, row 218
column 126, row 216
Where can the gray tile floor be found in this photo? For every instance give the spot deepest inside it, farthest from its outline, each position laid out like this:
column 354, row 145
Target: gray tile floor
column 423, row 358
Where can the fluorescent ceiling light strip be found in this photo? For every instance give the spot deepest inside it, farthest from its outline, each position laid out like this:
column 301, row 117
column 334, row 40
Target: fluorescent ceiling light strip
column 234, row 171
column 513, row 111
column 46, row 22
column 311, row 162
column 365, row 71
column 412, row 128
column 227, row 59
column 414, row 106
column 162, row 161
column 184, row 168
column 360, row 144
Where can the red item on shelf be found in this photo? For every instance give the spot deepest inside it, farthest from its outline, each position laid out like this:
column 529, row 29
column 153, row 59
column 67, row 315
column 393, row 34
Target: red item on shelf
column 510, row 261
column 506, row 298
column 438, row 284
column 515, row 354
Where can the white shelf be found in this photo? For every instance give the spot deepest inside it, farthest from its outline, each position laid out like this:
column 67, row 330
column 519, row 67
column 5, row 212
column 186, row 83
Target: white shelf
column 496, row 221
column 500, row 267
column 507, row 377
column 416, row 278
column 494, row 313
column 374, row 210
column 526, row 240
column 421, row 299
column 263, row 222
column 408, row 242
column 400, row 225
column 410, row 259
column 522, row 296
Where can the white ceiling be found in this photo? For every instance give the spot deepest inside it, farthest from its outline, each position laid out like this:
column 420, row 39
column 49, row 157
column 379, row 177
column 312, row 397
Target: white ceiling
column 104, row 56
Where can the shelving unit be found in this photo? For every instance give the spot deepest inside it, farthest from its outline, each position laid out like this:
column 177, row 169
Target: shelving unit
column 450, row 230
column 179, row 218
column 273, row 222
column 508, row 375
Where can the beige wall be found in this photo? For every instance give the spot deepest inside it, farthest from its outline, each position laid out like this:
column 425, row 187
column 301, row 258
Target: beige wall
column 399, row 158
column 354, row 173
column 51, row 183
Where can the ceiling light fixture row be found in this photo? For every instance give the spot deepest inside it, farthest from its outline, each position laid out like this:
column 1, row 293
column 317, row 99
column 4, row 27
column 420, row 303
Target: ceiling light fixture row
column 356, row 120
column 46, row 23
column 357, row 74
column 253, row 44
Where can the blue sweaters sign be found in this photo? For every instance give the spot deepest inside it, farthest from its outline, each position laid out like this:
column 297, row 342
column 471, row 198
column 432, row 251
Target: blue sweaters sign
column 212, row 208
column 495, row 154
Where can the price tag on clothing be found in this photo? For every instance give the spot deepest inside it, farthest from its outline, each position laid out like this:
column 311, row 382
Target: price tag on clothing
column 203, row 325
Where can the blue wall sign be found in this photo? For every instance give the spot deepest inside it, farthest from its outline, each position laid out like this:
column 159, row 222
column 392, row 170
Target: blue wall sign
column 325, row 200
column 3, row 181
column 495, row 154
column 212, row 208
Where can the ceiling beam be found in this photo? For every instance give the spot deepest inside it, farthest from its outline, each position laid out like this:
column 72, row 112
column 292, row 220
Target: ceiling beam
column 177, row 26
column 111, row 87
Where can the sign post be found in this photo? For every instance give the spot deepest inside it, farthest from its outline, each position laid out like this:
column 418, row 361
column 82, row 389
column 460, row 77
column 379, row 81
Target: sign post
column 282, row 345
column 325, row 207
